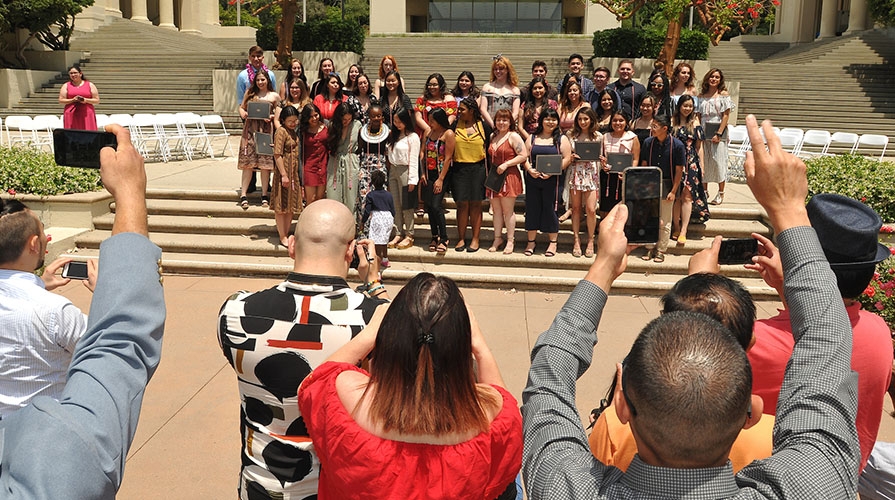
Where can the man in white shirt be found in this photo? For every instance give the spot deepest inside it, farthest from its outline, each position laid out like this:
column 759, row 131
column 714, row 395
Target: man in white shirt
column 38, row 329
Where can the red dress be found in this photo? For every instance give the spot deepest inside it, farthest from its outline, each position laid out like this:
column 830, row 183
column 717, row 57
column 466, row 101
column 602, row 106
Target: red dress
column 316, row 156
column 356, row 464
column 79, row 115
column 512, row 186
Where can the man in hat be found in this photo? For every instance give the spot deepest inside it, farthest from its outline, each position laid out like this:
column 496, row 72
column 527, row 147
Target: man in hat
column 848, row 231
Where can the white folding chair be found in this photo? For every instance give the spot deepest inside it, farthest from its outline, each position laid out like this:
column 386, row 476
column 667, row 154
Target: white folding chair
column 214, row 127
column 145, row 137
column 43, row 130
column 122, row 119
column 791, row 139
column 846, row 139
column 174, row 142
column 19, row 130
column 874, row 141
column 816, row 139
column 737, row 147
column 194, row 134
column 102, row 120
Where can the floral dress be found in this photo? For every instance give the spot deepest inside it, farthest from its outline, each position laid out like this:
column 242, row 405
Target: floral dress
column 692, row 177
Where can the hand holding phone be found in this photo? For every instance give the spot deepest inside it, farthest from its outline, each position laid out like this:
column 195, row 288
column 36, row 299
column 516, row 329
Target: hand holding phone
column 75, row 270
column 737, row 251
column 80, row 148
column 641, row 194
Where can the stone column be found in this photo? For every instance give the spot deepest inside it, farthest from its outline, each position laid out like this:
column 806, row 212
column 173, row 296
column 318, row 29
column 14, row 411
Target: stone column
column 857, row 16
column 138, row 11
column 112, row 8
column 189, row 19
column 828, row 18
column 166, row 14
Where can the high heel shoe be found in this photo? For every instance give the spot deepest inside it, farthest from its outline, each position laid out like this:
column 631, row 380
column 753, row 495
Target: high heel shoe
column 508, row 250
column 589, row 251
column 530, row 249
column 551, row 253
column 576, row 249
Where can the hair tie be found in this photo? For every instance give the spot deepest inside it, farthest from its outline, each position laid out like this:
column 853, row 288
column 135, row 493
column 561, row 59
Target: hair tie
column 426, row 337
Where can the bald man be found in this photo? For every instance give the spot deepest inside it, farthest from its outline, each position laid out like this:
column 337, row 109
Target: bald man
column 275, row 337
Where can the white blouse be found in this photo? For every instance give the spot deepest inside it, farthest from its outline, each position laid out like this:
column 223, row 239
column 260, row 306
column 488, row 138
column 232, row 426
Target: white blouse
column 406, row 151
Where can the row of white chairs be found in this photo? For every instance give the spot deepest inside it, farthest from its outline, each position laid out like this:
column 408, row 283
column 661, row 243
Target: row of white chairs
column 805, row 144
column 157, row 136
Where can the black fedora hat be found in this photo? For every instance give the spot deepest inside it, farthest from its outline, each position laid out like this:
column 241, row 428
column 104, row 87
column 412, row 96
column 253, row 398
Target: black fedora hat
column 848, row 230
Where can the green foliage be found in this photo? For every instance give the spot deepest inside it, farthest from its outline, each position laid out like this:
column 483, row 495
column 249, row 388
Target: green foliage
column 882, row 11
column 633, row 43
column 332, row 35
column 28, row 171
column 40, row 17
column 879, row 297
column 228, row 17
column 857, row 177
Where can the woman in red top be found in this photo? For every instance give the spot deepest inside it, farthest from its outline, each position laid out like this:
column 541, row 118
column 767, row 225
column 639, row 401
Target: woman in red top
column 458, row 434
column 330, row 98
column 433, row 97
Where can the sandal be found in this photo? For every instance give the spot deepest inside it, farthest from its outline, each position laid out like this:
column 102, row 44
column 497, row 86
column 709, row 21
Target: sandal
column 550, row 253
column 660, row 257
column 576, row 249
column 433, row 244
column 406, row 243
column 589, row 252
column 442, row 247
column 508, row 250
column 719, row 199
column 681, row 240
column 650, row 253
column 244, row 202
column 265, row 201
column 394, row 242
column 495, row 244
column 530, row 249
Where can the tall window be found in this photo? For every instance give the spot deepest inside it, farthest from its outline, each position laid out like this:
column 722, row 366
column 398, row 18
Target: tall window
column 495, row 16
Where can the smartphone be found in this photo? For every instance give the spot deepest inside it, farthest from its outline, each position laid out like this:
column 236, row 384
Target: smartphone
column 355, row 261
column 642, row 193
column 76, row 270
column 80, row 148
column 737, row 251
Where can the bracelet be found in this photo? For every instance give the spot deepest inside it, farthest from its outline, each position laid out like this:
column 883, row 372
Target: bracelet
column 374, row 282
column 377, row 287
column 380, row 293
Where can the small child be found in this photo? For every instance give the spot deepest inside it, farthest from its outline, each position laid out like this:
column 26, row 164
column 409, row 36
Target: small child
column 379, row 215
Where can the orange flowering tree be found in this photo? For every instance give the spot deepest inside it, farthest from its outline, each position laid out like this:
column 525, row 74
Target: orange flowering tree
column 718, row 16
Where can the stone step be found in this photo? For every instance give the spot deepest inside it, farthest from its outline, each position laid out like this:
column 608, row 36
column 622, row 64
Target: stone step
column 259, row 258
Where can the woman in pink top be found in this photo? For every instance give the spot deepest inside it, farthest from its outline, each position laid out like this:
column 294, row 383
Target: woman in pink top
column 79, row 97
column 456, row 434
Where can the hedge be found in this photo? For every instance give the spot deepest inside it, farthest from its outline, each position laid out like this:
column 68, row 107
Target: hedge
column 28, row 171
column 858, row 177
column 634, row 42
column 331, row 35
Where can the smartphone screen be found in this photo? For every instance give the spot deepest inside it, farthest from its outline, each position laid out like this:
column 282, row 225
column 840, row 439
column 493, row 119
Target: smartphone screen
column 80, row 148
column 737, row 251
column 76, row 270
column 642, row 192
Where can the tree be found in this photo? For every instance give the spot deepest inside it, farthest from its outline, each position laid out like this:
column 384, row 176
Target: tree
column 882, row 11
column 51, row 22
column 719, row 16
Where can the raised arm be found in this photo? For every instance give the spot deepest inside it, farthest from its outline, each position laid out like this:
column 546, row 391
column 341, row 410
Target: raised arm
column 556, row 455
column 76, row 448
column 815, row 426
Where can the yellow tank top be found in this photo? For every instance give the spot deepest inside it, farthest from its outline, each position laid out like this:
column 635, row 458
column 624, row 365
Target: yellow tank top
column 469, row 148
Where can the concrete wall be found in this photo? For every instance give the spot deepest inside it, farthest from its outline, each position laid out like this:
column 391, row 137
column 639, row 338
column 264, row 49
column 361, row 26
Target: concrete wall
column 389, row 16
column 224, row 80
column 18, row 83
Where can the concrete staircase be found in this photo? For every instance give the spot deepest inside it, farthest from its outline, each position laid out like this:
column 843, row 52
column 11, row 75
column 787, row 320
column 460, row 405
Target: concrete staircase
column 140, row 68
column 205, row 232
column 841, row 84
column 420, row 56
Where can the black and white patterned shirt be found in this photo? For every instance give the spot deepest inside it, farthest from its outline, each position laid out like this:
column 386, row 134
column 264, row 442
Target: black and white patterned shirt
column 816, row 450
